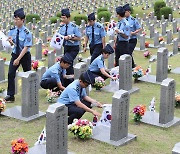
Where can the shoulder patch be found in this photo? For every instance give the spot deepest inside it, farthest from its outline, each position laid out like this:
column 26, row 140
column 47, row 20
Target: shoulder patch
column 73, row 25
column 61, row 25
column 77, row 88
column 132, row 18
column 99, row 26
column 124, row 23
column 26, row 31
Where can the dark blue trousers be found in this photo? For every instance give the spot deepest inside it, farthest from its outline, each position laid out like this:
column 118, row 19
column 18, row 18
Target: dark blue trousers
column 26, row 65
column 132, row 45
column 95, row 51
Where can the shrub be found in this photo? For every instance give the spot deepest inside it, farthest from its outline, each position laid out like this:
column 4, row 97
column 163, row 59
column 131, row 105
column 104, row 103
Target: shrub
column 157, row 6
column 54, row 19
column 101, row 9
column 29, row 17
column 166, row 11
column 132, row 10
column 58, row 14
column 105, row 14
column 133, row 15
column 79, row 17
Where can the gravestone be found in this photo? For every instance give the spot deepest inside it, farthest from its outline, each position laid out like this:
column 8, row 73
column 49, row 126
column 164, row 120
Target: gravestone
column 156, row 39
column 169, row 36
column 30, row 99
column 40, row 71
column 117, row 133
column 151, row 31
column 166, row 117
column 175, row 46
column 176, row 149
column 174, row 26
column 59, row 52
column 163, row 28
column 51, row 58
column 125, row 73
column 2, row 70
column 39, row 50
column 79, row 68
column 56, row 131
column 161, row 68
column 111, row 56
column 45, row 37
column 142, row 42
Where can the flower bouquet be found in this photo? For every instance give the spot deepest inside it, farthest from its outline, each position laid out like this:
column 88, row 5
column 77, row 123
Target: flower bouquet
column 99, row 83
column 147, row 44
column 51, row 96
column 179, row 48
column 169, row 68
column 137, row 72
column 35, row 64
column 147, row 54
column 161, row 39
column 2, row 105
column 139, row 112
column 81, row 128
column 19, row 146
column 80, row 58
column 177, row 99
column 45, row 52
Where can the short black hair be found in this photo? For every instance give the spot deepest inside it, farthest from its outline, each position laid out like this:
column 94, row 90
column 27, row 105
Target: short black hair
column 104, row 51
column 21, row 17
column 64, row 61
column 121, row 14
column 82, row 78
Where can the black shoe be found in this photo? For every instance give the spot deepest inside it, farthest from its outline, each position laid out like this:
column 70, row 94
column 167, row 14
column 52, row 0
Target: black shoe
column 9, row 98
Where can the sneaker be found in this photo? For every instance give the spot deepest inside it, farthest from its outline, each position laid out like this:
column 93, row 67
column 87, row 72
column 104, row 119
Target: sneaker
column 9, row 98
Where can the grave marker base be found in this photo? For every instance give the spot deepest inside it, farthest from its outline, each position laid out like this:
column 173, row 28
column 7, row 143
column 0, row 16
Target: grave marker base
column 152, row 118
column 15, row 112
column 3, row 94
column 7, row 63
column 138, row 49
column 176, row 70
column 152, row 46
column 176, row 149
column 40, row 149
column 3, row 81
column 102, row 133
column 149, row 78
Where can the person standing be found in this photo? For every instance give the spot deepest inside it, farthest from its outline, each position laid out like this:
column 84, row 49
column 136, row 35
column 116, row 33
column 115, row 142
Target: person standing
column 95, row 33
column 21, row 38
column 72, row 37
column 123, row 33
column 135, row 28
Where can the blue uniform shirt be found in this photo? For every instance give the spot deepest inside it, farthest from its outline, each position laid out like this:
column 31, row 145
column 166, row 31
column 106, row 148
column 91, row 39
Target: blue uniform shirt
column 99, row 33
column 123, row 26
column 134, row 25
column 54, row 71
column 25, row 38
column 97, row 64
column 73, row 92
column 72, row 29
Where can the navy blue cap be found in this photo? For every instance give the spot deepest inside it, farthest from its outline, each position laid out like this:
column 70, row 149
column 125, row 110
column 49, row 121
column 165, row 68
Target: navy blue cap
column 19, row 13
column 91, row 16
column 65, row 12
column 109, row 49
column 127, row 7
column 120, row 10
column 67, row 58
column 89, row 77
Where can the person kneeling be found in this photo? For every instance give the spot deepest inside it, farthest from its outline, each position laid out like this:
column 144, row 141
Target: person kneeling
column 97, row 67
column 76, row 99
column 54, row 77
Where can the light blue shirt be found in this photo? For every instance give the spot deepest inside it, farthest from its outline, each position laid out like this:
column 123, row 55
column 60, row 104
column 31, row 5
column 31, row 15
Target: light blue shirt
column 123, row 26
column 71, row 93
column 134, row 25
column 25, row 38
column 99, row 33
column 55, row 71
column 97, row 64
column 72, row 29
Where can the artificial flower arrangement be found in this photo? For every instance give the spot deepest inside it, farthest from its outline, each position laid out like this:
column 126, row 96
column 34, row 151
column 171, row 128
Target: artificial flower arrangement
column 144, row 33
column 138, row 72
column 99, row 83
column 4, row 58
column 147, row 44
column 45, row 52
column 161, row 39
column 169, row 68
column 147, row 54
column 81, row 128
column 58, row 59
column 19, row 146
column 179, row 48
column 2, row 105
column 80, row 58
column 52, row 95
column 35, row 64
column 139, row 111
column 177, row 99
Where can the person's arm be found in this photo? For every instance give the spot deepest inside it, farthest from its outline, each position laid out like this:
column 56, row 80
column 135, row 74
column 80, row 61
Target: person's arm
column 85, row 43
column 81, row 105
column 137, row 31
column 68, row 76
column 103, row 42
column 23, row 52
column 60, row 86
column 106, row 74
column 89, row 99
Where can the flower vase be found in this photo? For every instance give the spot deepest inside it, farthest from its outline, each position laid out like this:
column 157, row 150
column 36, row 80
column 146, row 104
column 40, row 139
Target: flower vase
column 136, row 80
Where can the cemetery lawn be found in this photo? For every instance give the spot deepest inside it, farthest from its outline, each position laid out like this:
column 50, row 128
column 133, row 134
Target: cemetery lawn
column 150, row 139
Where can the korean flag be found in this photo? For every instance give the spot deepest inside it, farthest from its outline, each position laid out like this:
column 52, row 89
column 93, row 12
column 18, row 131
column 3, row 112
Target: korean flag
column 57, row 41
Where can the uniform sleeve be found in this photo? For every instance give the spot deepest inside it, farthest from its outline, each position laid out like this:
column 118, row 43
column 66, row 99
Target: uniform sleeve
column 55, row 75
column 73, row 95
column 77, row 32
column 10, row 32
column 103, row 32
column 84, row 93
column 127, row 30
column 64, row 72
column 137, row 24
column 28, row 40
column 100, row 64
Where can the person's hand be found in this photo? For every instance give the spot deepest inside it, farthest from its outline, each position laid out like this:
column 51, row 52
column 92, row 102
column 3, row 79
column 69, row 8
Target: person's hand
column 10, row 40
column 116, row 30
column 132, row 33
column 99, row 104
column 114, row 46
column 66, row 37
column 114, row 78
column 96, row 113
column 16, row 62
